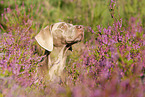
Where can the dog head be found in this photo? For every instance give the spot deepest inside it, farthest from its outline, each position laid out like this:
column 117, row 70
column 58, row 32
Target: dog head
column 59, row 34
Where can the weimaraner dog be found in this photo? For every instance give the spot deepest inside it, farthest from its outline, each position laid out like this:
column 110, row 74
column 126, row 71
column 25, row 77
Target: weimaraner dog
column 56, row 40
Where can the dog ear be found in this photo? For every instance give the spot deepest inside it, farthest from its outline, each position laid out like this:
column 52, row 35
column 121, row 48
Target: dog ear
column 45, row 38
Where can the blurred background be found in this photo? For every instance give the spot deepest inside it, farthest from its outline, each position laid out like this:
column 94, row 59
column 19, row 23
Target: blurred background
column 108, row 63
column 85, row 12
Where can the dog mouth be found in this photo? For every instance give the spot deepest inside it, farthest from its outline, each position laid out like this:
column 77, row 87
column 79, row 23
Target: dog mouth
column 79, row 29
column 80, row 33
column 76, row 40
column 79, row 36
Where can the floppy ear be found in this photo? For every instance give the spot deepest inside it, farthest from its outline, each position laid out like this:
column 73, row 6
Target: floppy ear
column 45, row 38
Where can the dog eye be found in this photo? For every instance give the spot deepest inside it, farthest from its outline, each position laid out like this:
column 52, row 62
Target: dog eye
column 62, row 27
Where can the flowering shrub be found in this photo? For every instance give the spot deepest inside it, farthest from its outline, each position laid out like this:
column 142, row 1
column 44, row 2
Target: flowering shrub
column 111, row 63
column 17, row 45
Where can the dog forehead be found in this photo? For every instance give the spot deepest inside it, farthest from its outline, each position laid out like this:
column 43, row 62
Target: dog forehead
column 61, row 24
column 57, row 24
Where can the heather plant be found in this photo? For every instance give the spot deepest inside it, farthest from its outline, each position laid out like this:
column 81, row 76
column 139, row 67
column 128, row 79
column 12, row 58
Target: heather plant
column 17, row 45
column 110, row 62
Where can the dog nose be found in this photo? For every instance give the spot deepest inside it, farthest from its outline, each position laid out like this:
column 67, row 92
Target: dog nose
column 80, row 27
column 80, row 32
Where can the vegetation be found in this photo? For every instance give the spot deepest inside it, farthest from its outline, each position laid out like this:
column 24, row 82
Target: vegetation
column 109, row 63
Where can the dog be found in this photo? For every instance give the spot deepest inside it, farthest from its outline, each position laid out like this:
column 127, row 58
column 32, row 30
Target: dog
column 56, row 39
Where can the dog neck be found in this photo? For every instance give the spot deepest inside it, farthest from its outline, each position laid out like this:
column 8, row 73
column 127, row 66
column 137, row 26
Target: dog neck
column 57, row 54
column 56, row 62
column 51, row 67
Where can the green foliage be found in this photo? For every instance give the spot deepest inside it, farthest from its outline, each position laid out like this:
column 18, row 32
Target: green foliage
column 84, row 12
column 87, row 66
